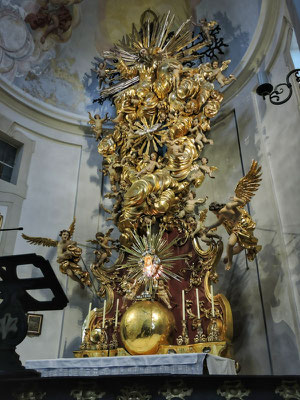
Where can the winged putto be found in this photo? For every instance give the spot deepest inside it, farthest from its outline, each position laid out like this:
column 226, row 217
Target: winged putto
column 236, row 220
column 68, row 254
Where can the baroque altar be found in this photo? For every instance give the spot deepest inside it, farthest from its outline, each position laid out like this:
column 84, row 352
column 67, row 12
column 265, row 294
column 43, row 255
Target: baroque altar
column 158, row 296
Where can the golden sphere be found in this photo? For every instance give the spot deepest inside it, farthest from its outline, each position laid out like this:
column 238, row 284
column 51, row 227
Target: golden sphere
column 97, row 335
column 145, row 326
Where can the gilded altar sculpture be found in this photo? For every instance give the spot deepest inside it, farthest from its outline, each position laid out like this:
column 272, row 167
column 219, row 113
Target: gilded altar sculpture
column 165, row 98
column 165, row 268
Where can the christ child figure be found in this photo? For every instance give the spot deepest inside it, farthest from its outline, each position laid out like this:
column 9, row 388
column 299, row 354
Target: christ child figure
column 151, row 164
column 199, row 136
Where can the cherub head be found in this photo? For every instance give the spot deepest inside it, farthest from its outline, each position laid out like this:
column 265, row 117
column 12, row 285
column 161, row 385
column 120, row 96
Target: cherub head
column 191, row 222
column 152, row 197
column 144, row 55
column 97, row 116
column 191, row 106
column 204, row 160
column 205, row 123
column 195, row 121
column 215, row 64
column 160, row 283
column 123, row 185
column 99, row 235
column 153, row 156
column 143, row 52
column 65, row 235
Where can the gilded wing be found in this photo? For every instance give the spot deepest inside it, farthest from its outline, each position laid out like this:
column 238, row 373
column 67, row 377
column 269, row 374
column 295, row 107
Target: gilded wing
column 72, row 227
column 248, row 185
column 40, row 241
column 203, row 215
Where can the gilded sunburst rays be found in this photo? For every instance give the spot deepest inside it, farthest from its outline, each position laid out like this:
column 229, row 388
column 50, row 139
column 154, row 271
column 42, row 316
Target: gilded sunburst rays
column 155, row 40
column 148, row 136
column 158, row 38
column 151, row 258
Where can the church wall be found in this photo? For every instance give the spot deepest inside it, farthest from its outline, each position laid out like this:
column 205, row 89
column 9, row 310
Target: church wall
column 265, row 297
column 269, row 134
column 241, row 284
column 272, row 264
column 62, row 181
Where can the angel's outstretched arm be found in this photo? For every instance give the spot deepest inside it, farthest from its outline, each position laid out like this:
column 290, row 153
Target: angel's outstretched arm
column 234, row 202
column 216, row 224
column 197, row 230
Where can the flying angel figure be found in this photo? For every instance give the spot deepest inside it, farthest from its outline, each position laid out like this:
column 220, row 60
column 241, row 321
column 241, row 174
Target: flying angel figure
column 236, row 220
column 68, row 254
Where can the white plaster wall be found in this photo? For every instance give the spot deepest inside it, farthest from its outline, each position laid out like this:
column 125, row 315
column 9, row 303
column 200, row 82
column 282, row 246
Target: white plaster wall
column 270, row 134
column 63, row 181
column 272, row 264
column 265, row 298
column 241, row 284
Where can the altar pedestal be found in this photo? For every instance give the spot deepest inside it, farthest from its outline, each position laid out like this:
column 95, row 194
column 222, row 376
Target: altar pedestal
column 162, row 364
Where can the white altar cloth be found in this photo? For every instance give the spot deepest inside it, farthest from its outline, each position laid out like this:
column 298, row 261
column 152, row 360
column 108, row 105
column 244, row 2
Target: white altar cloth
column 160, row 364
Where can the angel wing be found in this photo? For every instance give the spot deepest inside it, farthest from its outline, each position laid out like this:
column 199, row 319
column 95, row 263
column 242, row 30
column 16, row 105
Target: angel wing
column 72, row 227
column 203, row 215
column 249, row 183
column 109, row 232
column 40, row 241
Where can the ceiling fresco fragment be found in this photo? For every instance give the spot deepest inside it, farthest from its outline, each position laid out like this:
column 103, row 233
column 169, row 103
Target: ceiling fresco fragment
column 50, row 50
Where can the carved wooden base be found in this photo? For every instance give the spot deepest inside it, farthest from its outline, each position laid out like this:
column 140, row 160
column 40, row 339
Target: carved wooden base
column 215, row 348
column 91, row 353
